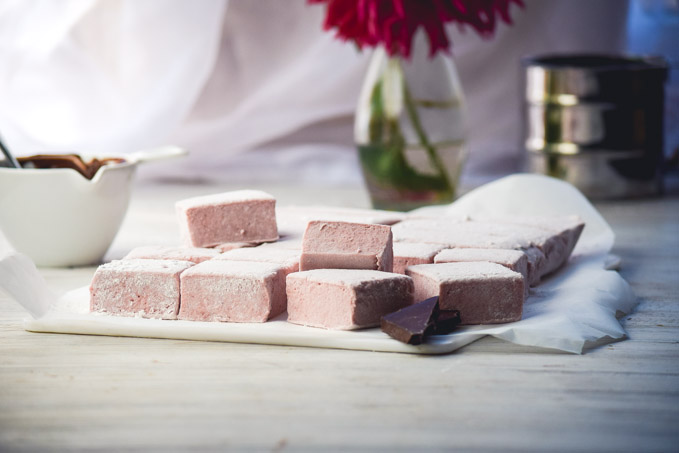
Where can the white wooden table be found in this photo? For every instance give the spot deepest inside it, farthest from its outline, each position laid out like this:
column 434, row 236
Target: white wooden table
column 66, row 392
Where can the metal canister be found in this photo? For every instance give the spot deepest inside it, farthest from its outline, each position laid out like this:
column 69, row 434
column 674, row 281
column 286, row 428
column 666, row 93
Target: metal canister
column 596, row 121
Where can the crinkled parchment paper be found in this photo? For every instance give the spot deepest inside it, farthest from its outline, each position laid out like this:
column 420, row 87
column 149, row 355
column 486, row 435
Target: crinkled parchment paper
column 577, row 305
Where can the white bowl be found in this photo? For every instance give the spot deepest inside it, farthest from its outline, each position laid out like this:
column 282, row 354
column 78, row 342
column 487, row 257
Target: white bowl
column 59, row 218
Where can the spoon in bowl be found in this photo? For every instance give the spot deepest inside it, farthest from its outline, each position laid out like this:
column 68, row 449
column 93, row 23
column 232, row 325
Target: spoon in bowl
column 8, row 156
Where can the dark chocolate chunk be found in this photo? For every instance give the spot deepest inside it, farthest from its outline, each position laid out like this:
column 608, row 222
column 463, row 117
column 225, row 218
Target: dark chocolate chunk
column 413, row 324
column 410, row 324
column 446, row 322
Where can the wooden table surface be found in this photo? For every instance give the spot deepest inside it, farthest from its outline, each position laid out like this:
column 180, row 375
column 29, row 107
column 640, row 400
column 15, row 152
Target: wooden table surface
column 64, row 392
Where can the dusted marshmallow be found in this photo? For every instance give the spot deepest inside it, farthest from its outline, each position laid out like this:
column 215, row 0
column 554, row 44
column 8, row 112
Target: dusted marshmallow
column 344, row 245
column 468, row 234
column 286, row 242
column 515, row 260
column 239, row 216
column 288, row 259
column 484, row 293
column 193, row 254
column 564, row 230
column 546, row 249
column 345, row 299
column 138, row 287
column 536, row 265
column 411, row 253
column 232, row 291
column 228, row 246
column 294, row 219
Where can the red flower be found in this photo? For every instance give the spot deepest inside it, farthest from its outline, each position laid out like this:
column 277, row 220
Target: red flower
column 393, row 23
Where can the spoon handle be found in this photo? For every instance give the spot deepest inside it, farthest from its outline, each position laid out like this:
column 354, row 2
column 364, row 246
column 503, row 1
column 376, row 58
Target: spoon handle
column 8, row 156
column 163, row 152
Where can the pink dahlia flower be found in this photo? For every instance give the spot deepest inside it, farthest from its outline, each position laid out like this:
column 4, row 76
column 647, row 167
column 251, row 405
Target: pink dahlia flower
column 393, row 23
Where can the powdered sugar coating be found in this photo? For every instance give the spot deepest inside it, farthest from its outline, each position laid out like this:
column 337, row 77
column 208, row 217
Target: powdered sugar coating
column 294, row 219
column 193, row 254
column 288, row 258
column 554, row 244
column 469, row 234
column 345, row 299
column 565, row 230
column 347, row 277
column 474, row 270
column 138, row 287
column 345, row 245
column 232, row 291
column 287, row 242
column 484, row 293
column 228, row 246
column 241, row 216
column 235, row 196
column 412, row 253
column 515, row 260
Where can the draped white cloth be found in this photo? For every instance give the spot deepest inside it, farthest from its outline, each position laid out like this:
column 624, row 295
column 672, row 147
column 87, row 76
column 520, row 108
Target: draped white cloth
column 253, row 88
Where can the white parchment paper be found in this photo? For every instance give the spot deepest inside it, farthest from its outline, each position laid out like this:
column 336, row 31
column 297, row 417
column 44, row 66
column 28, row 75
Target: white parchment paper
column 577, row 305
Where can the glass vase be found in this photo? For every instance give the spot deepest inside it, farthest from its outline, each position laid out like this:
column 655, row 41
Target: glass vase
column 410, row 130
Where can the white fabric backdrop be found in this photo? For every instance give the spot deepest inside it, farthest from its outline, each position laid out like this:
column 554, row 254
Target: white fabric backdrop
column 253, row 88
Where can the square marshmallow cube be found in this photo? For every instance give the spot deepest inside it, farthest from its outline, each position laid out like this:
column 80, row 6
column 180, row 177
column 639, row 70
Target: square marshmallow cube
column 288, row 259
column 232, row 291
column 411, row 253
column 345, row 299
column 194, row 254
column 345, row 245
column 484, row 293
column 515, row 260
column 239, row 216
column 294, row 219
column 138, row 287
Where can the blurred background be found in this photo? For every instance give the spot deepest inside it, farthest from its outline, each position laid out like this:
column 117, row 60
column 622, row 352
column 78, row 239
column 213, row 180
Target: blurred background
column 257, row 91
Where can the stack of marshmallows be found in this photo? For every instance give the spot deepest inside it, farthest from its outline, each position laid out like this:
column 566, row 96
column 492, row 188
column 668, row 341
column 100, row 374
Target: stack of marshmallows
column 331, row 268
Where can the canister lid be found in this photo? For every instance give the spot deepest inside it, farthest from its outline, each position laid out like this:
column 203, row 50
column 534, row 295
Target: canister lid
column 569, row 79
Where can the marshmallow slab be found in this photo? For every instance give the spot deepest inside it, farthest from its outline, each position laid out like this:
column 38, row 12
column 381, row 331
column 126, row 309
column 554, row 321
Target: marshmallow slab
column 484, row 293
column 412, row 253
column 138, row 287
column 194, row 254
column 345, row 245
column 565, row 231
column 232, row 291
column 546, row 248
column 239, row 216
column 345, row 299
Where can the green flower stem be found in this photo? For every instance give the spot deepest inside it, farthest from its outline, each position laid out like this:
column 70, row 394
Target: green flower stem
column 422, row 136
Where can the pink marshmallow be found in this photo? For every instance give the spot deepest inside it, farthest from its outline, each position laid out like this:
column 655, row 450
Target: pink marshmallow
column 232, row 291
column 484, row 293
column 564, row 230
column 344, row 245
column 228, row 246
column 515, row 260
column 545, row 249
column 193, row 254
column 288, row 259
column 138, row 287
column 345, row 299
column 412, row 253
column 239, row 216
column 294, row 219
